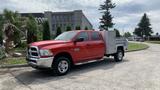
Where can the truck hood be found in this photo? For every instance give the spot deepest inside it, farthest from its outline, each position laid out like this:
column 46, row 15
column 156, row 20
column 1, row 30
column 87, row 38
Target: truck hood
column 47, row 43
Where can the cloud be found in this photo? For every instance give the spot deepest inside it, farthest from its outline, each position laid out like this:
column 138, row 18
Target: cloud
column 126, row 14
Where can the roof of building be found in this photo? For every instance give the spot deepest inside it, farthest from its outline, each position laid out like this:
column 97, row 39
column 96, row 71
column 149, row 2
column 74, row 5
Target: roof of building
column 34, row 14
column 69, row 12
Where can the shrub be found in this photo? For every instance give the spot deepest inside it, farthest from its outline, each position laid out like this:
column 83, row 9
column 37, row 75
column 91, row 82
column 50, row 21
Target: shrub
column 78, row 28
column 46, row 31
column 68, row 28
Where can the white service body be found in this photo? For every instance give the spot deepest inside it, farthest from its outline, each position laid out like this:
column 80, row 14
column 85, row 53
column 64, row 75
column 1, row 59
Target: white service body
column 112, row 42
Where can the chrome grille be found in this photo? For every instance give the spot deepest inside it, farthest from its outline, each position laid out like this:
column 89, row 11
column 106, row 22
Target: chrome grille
column 33, row 52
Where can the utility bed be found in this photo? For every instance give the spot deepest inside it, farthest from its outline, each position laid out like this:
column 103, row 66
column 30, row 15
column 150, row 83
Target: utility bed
column 122, row 41
column 112, row 42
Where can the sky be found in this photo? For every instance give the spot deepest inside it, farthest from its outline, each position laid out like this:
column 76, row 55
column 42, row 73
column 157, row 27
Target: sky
column 127, row 13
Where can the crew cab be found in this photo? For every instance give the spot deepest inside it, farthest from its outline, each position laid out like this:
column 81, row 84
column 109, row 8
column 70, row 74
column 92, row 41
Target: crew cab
column 74, row 48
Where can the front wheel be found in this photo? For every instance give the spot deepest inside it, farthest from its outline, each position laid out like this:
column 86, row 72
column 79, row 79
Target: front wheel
column 119, row 56
column 61, row 66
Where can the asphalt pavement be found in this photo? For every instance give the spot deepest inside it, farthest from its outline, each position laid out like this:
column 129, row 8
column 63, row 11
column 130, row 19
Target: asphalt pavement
column 140, row 70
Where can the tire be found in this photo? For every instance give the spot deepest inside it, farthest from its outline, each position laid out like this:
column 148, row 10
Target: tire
column 61, row 66
column 119, row 55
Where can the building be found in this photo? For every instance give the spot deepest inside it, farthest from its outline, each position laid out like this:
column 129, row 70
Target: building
column 72, row 19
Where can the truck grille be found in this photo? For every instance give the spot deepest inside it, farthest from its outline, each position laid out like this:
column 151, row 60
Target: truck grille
column 33, row 52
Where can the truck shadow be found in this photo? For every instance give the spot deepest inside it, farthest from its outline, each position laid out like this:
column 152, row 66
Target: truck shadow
column 38, row 77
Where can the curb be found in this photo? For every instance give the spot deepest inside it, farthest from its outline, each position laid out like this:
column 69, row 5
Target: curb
column 14, row 66
column 138, row 49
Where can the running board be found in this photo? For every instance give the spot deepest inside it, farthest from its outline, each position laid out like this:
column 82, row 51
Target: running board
column 89, row 62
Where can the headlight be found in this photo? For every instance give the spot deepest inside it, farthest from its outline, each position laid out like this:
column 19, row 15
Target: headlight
column 45, row 53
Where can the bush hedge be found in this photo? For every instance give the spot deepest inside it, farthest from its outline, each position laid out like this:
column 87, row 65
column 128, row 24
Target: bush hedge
column 2, row 53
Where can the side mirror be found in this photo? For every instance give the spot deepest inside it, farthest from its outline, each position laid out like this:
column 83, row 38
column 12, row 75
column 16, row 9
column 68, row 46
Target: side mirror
column 81, row 39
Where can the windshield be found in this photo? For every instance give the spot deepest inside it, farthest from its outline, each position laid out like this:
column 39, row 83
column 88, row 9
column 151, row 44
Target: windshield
column 66, row 36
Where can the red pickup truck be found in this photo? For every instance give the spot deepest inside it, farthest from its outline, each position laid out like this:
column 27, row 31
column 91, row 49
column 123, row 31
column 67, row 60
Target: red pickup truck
column 73, row 48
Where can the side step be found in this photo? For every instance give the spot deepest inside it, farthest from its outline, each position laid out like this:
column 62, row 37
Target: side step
column 89, row 61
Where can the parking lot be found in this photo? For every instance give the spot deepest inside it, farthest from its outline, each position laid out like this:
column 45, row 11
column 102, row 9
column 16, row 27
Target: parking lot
column 138, row 71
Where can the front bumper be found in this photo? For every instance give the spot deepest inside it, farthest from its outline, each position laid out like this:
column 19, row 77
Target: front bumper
column 40, row 62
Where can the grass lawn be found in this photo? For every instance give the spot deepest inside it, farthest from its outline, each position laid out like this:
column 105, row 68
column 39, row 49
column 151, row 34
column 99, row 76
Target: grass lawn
column 13, row 61
column 156, row 42
column 136, row 46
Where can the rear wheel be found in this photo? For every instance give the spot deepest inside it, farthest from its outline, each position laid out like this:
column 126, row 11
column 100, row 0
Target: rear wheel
column 119, row 55
column 61, row 66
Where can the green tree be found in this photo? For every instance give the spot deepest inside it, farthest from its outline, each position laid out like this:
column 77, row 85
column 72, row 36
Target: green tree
column 40, row 32
column 106, row 20
column 68, row 28
column 137, row 32
column 117, row 33
column 86, row 28
column 31, row 30
column 15, row 22
column 78, row 28
column 58, row 31
column 1, row 27
column 1, row 38
column 46, row 31
column 144, row 27
column 12, row 25
column 127, row 34
column 10, row 16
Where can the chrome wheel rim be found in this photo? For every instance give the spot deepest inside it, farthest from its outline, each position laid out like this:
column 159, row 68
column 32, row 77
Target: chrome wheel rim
column 120, row 55
column 63, row 66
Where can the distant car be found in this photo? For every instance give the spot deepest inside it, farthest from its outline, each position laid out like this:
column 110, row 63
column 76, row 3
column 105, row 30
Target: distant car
column 130, row 39
column 141, row 40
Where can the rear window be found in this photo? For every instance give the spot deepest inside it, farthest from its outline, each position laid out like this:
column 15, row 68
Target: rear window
column 95, row 36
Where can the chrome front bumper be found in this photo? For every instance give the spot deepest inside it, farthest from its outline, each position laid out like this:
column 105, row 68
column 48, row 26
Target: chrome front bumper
column 40, row 62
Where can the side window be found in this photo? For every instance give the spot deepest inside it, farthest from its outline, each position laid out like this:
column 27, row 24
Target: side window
column 95, row 36
column 83, row 35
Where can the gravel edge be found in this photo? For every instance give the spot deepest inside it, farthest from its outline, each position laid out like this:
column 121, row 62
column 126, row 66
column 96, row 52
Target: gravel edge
column 14, row 66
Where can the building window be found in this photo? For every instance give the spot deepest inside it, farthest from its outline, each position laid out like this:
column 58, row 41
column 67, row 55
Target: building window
column 65, row 18
column 57, row 25
column 53, row 26
column 64, row 25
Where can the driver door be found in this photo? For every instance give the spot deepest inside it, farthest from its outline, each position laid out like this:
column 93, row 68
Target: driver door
column 81, row 52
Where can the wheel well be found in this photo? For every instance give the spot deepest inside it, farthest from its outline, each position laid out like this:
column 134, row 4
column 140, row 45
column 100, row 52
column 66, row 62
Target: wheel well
column 120, row 48
column 64, row 54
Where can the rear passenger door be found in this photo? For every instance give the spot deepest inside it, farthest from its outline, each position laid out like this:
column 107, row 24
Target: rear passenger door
column 97, row 47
